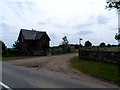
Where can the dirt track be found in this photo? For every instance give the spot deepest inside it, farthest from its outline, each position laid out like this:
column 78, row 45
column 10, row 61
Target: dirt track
column 59, row 64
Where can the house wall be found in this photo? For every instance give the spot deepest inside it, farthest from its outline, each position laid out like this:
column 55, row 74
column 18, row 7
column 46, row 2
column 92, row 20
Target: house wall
column 44, row 42
column 35, row 45
column 22, row 42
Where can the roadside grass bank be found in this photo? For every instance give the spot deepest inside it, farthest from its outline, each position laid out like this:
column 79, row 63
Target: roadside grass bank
column 102, row 70
column 8, row 58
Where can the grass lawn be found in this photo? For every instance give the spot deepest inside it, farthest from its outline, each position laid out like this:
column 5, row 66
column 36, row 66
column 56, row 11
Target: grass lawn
column 113, row 49
column 98, row 69
column 8, row 58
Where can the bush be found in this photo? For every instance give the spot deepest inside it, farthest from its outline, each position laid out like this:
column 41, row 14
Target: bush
column 3, row 47
column 88, row 44
column 102, row 44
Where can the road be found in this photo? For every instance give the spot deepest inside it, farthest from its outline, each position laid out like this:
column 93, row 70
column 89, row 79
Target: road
column 22, row 77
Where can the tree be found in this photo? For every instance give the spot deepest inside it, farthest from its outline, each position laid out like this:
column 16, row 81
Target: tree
column 108, row 45
column 117, row 37
column 102, row 44
column 17, row 48
column 65, row 45
column 88, row 44
column 65, row 41
column 116, row 5
column 16, row 45
column 113, row 4
column 4, row 48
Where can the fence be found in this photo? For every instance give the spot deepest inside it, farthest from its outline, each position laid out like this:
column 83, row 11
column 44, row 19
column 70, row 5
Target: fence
column 111, row 57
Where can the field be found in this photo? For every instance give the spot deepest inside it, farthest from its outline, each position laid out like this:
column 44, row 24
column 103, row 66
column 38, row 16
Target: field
column 98, row 69
column 116, row 49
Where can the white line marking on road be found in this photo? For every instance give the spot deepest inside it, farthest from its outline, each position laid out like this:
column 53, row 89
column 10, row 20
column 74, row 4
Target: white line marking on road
column 4, row 85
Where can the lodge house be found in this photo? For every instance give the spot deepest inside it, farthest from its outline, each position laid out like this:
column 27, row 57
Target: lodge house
column 34, row 42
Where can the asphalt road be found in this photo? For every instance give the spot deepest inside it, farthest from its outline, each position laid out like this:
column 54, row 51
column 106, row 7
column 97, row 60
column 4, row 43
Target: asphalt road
column 22, row 77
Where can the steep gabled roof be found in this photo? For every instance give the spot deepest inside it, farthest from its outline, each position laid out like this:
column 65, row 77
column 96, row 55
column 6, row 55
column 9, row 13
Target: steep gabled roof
column 31, row 34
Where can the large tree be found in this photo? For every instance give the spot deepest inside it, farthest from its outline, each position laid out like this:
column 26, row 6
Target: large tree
column 88, row 44
column 115, row 4
column 65, row 45
column 65, row 41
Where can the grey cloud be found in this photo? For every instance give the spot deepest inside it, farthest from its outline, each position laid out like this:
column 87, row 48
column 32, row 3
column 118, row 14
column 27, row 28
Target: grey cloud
column 49, row 22
column 53, row 36
column 30, row 6
column 61, row 26
column 7, row 28
column 20, row 8
column 114, row 29
column 84, row 32
column 42, row 23
column 77, row 26
column 19, row 4
column 14, row 7
column 81, row 26
column 102, row 19
column 67, row 34
column 24, row 5
column 8, row 36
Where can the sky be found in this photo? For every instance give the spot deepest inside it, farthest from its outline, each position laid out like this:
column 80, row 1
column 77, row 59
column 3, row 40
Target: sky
column 86, row 19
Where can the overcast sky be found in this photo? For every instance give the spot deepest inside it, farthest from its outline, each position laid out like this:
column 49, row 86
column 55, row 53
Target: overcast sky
column 86, row 19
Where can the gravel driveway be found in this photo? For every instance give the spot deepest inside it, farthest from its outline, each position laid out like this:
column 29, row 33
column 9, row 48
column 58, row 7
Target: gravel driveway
column 58, row 64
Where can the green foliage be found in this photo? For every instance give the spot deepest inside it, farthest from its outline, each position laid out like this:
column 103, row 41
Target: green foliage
column 98, row 69
column 88, row 44
column 108, row 45
column 65, row 41
column 117, row 36
column 113, row 4
column 76, row 46
column 18, row 49
column 57, row 50
column 116, row 5
column 65, row 45
column 16, row 45
column 4, row 48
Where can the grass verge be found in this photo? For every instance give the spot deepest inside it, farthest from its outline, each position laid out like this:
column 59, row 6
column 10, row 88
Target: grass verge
column 102, row 70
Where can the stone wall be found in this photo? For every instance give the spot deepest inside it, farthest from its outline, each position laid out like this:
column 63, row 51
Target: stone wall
column 111, row 57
